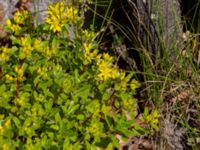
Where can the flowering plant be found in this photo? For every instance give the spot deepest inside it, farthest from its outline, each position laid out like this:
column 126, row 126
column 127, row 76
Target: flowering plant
column 57, row 90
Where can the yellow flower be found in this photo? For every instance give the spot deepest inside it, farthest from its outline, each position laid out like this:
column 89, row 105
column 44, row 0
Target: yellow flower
column 122, row 75
column 49, row 51
column 1, row 116
column 55, row 25
column 13, row 27
column 89, row 35
column 89, row 53
column 56, row 17
column 105, row 70
column 114, row 73
column 4, row 55
column 20, row 73
column 90, row 56
column 123, row 84
column 8, row 23
column 104, row 74
column 7, row 123
column 19, row 70
column 17, row 18
column 26, row 47
column 41, row 70
column 98, row 57
column 87, row 47
column 134, row 84
column 9, row 77
column 20, row 17
column 59, row 15
column 24, row 41
column 94, row 128
column 5, row 147
column 103, row 65
column 72, row 14
column 1, row 130
column 37, row 45
column 152, row 118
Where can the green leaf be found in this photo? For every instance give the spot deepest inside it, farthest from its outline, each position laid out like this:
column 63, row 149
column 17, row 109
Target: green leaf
column 16, row 121
column 27, row 122
column 115, row 141
column 80, row 117
column 48, row 105
column 83, row 92
column 58, row 118
column 109, row 147
column 54, row 44
column 106, row 96
column 76, row 76
column 146, row 112
column 2, row 89
column 129, row 76
column 72, row 108
column 117, row 86
column 93, row 106
column 124, row 95
column 1, row 122
column 123, row 127
column 55, row 127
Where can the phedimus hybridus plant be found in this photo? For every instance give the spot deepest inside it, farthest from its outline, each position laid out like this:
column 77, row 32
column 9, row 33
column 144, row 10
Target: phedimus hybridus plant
column 57, row 90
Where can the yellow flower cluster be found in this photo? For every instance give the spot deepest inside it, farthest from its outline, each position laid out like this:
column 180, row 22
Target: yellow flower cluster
column 6, row 125
column 49, row 51
column 15, row 28
column 9, row 77
column 88, row 35
column 44, row 48
column 59, row 15
column 130, row 104
column 107, row 69
column 4, row 55
column 42, row 70
column 104, row 63
column 134, row 84
column 56, row 17
column 151, row 119
column 26, row 47
column 19, row 19
column 94, row 128
column 37, row 45
column 20, row 74
column 89, row 53
column 72, row 14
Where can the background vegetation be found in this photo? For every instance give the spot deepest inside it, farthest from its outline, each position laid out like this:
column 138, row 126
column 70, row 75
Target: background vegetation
column 71, row 82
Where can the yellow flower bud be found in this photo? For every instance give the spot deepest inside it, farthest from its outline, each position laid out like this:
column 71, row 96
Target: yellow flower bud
column 7, row 123
column 1, row 130
column 8, row 77
column 8, row 23
column 5, row 147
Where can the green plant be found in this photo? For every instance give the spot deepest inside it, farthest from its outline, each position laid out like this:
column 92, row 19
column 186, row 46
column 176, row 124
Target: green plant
column 166, row 87
column 58, row 91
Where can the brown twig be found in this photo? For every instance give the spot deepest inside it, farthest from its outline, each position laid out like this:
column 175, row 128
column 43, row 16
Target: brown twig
column 86, row 120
